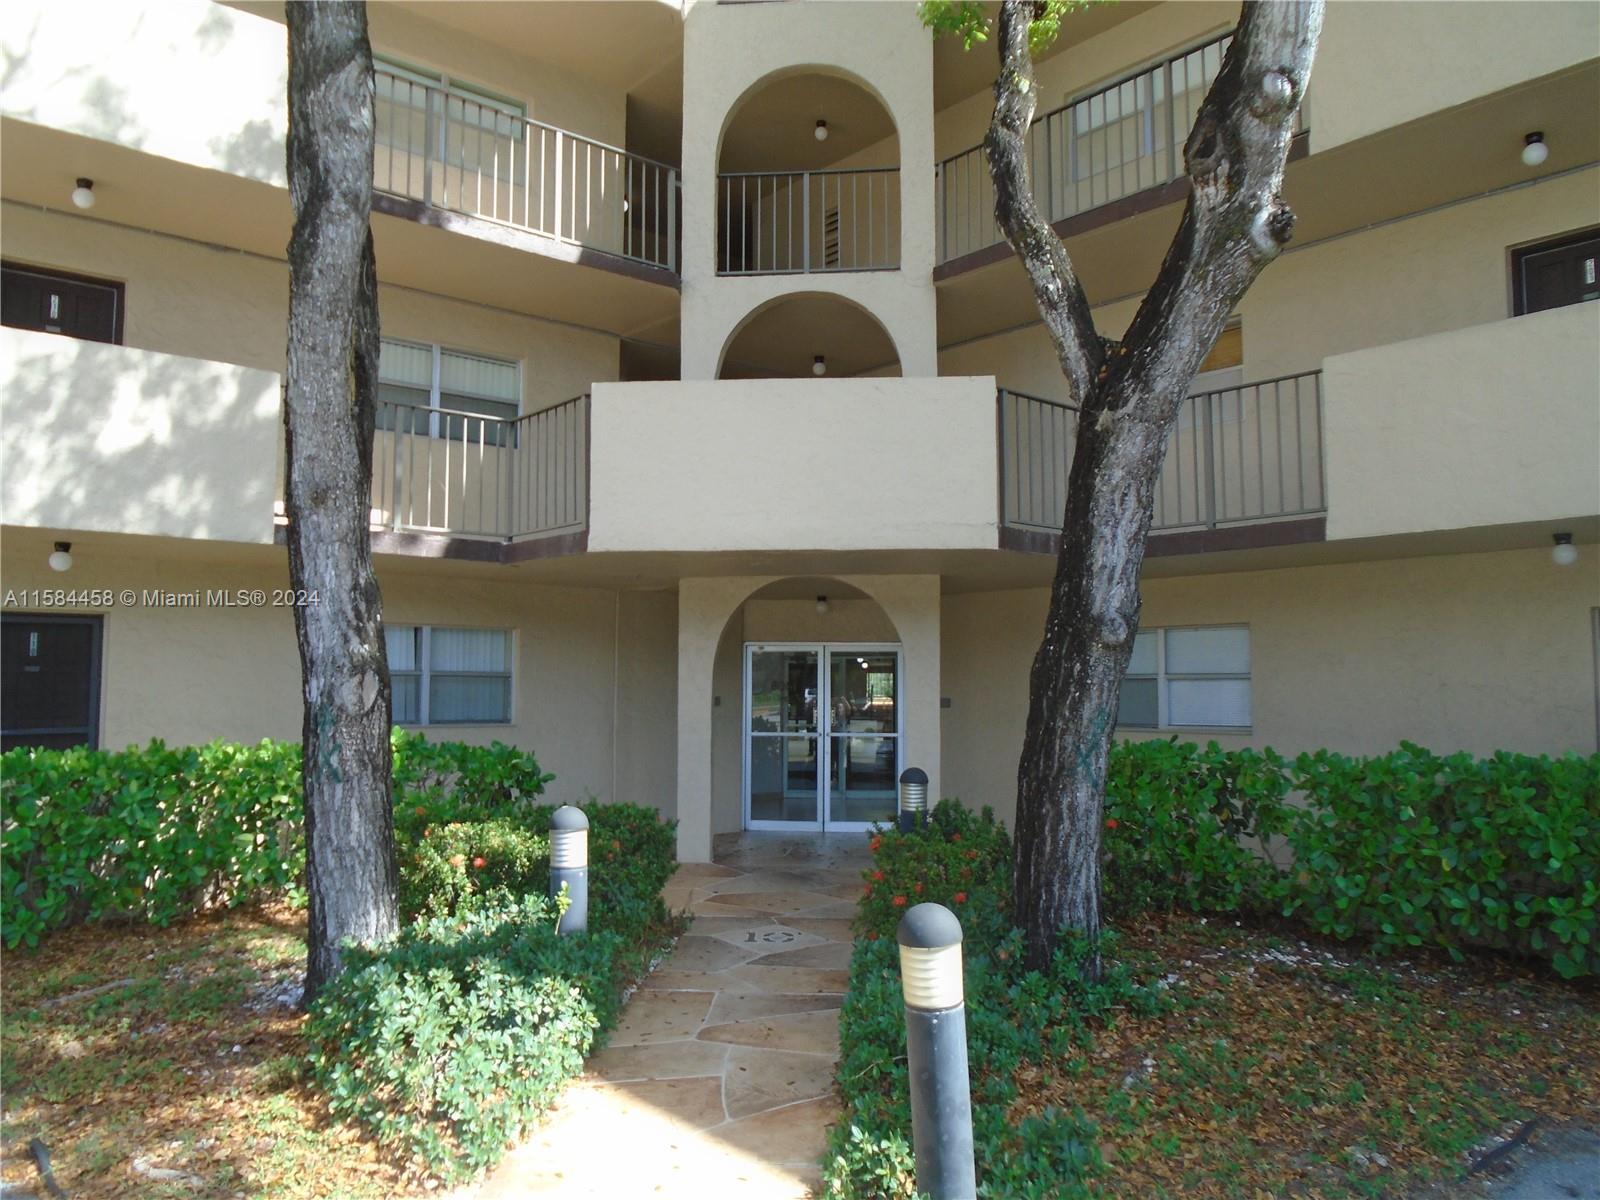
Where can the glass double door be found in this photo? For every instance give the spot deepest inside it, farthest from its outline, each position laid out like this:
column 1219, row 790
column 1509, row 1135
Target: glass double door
column 821, row 735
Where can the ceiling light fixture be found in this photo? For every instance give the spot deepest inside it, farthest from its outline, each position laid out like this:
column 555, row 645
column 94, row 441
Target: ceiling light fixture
column 819, row 365
column 61, row 557
column 1534, row 151
column 821, row 131
column 83, row 194
column 1563, row 553
column 822, row 605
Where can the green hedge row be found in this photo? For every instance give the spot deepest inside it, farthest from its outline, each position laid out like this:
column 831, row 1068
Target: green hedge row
column 448, row 1043
column 1406, row 849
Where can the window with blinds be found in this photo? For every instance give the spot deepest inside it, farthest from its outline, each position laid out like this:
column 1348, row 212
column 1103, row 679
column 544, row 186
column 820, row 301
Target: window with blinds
column 1188, row 678
column 447, row 676
column 435, row 392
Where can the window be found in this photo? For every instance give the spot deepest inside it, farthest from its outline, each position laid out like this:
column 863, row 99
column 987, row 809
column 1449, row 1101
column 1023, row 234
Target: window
column 442, row 676
column 54, row 302
column 1556, row 273
column 1181, row 678
column 414, row 380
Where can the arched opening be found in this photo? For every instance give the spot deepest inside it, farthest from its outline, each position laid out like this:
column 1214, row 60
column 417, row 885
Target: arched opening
column 807, row 334
column 807, row 724
column 808, row 178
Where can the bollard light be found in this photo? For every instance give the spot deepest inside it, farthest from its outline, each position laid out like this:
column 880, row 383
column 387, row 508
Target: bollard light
column 936, row 1052
column 913, row 798
column 569, row 864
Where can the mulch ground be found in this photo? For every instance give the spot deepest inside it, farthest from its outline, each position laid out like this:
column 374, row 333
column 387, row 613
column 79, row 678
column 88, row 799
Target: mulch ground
column 181, row 1078
column 1293, row 1068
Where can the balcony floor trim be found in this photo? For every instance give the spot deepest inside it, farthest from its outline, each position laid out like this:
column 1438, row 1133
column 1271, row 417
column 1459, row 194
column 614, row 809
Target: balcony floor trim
column 520, row 239
column 465, row 549
column 1254, row 536
column 1121, row 209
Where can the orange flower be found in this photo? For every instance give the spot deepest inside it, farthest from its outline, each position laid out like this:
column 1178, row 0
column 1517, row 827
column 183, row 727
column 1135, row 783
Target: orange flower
column 955, row 837
column 458, row 860
column 480, row 862
column 918, row 889
column 874, row 844
column 877, row 876
column 961, row 897
column 615, row 844
column 867, row 891
column 972, row 854
column 899, row 901
column 1111, row 822
column 421, row 812
column 872, row 936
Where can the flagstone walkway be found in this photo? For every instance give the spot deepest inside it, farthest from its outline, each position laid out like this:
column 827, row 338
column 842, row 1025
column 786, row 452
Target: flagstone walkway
column 719, row 1079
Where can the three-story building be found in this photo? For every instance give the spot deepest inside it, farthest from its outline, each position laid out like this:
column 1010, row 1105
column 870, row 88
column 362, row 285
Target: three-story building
column 721, row 456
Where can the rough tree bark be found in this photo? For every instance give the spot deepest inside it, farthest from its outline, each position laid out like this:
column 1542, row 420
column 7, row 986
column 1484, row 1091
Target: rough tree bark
column 1129, row 395
column 328, row 424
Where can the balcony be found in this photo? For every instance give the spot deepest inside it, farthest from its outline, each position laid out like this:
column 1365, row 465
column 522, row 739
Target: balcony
column 445, row 150
column 1238, row 457
column 1119, row 146
column 104, row 438
column 807, row 222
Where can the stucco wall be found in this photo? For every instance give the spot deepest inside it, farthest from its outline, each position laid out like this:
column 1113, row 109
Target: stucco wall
column 207, row 302
column 728, row 49
column 192, row 674
column 1432, row 56
column 1463, row 652
column 204, row 84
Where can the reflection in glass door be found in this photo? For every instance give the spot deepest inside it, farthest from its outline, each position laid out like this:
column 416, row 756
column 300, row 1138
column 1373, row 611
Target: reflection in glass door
column 864, row 741
column 822, row 746
column 782, row 764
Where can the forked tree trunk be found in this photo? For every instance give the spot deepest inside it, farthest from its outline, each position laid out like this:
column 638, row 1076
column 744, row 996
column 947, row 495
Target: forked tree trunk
column 328, row 420
column 1129, row 395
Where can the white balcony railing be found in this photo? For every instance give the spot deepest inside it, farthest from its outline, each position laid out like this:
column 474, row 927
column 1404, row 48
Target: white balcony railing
column 446, row 471
column 1250, row 453
column 793, row 222
column 1122, row 139
column 452, row 152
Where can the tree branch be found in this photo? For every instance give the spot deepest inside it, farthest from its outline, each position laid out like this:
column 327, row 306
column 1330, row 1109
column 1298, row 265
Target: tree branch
column 1062, row 304
column 1236, row 221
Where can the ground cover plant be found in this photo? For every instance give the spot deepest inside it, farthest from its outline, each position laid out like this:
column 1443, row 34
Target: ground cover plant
column 157, row 1038
column 1231, row 1050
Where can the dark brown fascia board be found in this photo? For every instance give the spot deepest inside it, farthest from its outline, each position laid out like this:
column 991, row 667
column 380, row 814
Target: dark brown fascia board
column 520, row 239
column 1194, row 541
column 1151, row 198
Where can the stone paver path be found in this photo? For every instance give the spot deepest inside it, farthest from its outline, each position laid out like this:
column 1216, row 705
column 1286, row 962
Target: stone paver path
column 718, row 1081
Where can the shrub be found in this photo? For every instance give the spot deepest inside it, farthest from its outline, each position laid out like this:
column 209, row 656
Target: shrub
column 449, row 1042
column 451, row 781
column 1413, row 849
column 960, row 859
column 1179, row 822
column 463, row 864
column 153, row 833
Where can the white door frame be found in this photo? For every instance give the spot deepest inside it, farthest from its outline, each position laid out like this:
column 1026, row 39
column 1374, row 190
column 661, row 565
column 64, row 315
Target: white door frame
column 823, row 734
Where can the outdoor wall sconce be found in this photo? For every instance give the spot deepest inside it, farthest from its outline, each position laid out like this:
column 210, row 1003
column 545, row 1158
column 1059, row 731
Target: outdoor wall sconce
column 819, row 365
column 822, row 605
column 1563, row 553
column 821, row 132
column 1534, row 151
column 61, row 557
column 83, row 194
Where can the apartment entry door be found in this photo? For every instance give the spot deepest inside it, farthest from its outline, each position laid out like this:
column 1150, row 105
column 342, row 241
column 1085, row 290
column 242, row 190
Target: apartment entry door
column 822, row 737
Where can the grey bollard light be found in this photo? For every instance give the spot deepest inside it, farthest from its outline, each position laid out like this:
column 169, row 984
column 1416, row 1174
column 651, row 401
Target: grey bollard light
column 936, row 1052
column 913, row 798
column 569, row 864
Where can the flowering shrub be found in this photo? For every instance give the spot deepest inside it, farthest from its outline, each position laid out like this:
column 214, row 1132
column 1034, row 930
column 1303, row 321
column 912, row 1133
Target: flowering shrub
column 960, row 859
column 464, row 863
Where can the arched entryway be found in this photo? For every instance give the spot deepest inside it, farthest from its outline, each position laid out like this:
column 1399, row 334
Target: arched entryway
column 806, row 335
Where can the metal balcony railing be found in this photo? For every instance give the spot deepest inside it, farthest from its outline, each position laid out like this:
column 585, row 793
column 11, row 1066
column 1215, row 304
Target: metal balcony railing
column 452, row 152
column 1124, row 138
column 794, row 222
column 440, row 470
column 1237, row 455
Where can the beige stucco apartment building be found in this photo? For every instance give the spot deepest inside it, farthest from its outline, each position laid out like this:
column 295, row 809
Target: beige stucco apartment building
column 720, row 449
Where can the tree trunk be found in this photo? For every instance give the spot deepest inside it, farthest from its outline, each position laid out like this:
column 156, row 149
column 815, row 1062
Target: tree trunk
column 1129, row 396
column 328, row 426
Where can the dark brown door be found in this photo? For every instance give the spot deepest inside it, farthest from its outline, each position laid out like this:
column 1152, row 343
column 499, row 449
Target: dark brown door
column 75, row 305
column 1566, row 271
column 49, row 681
